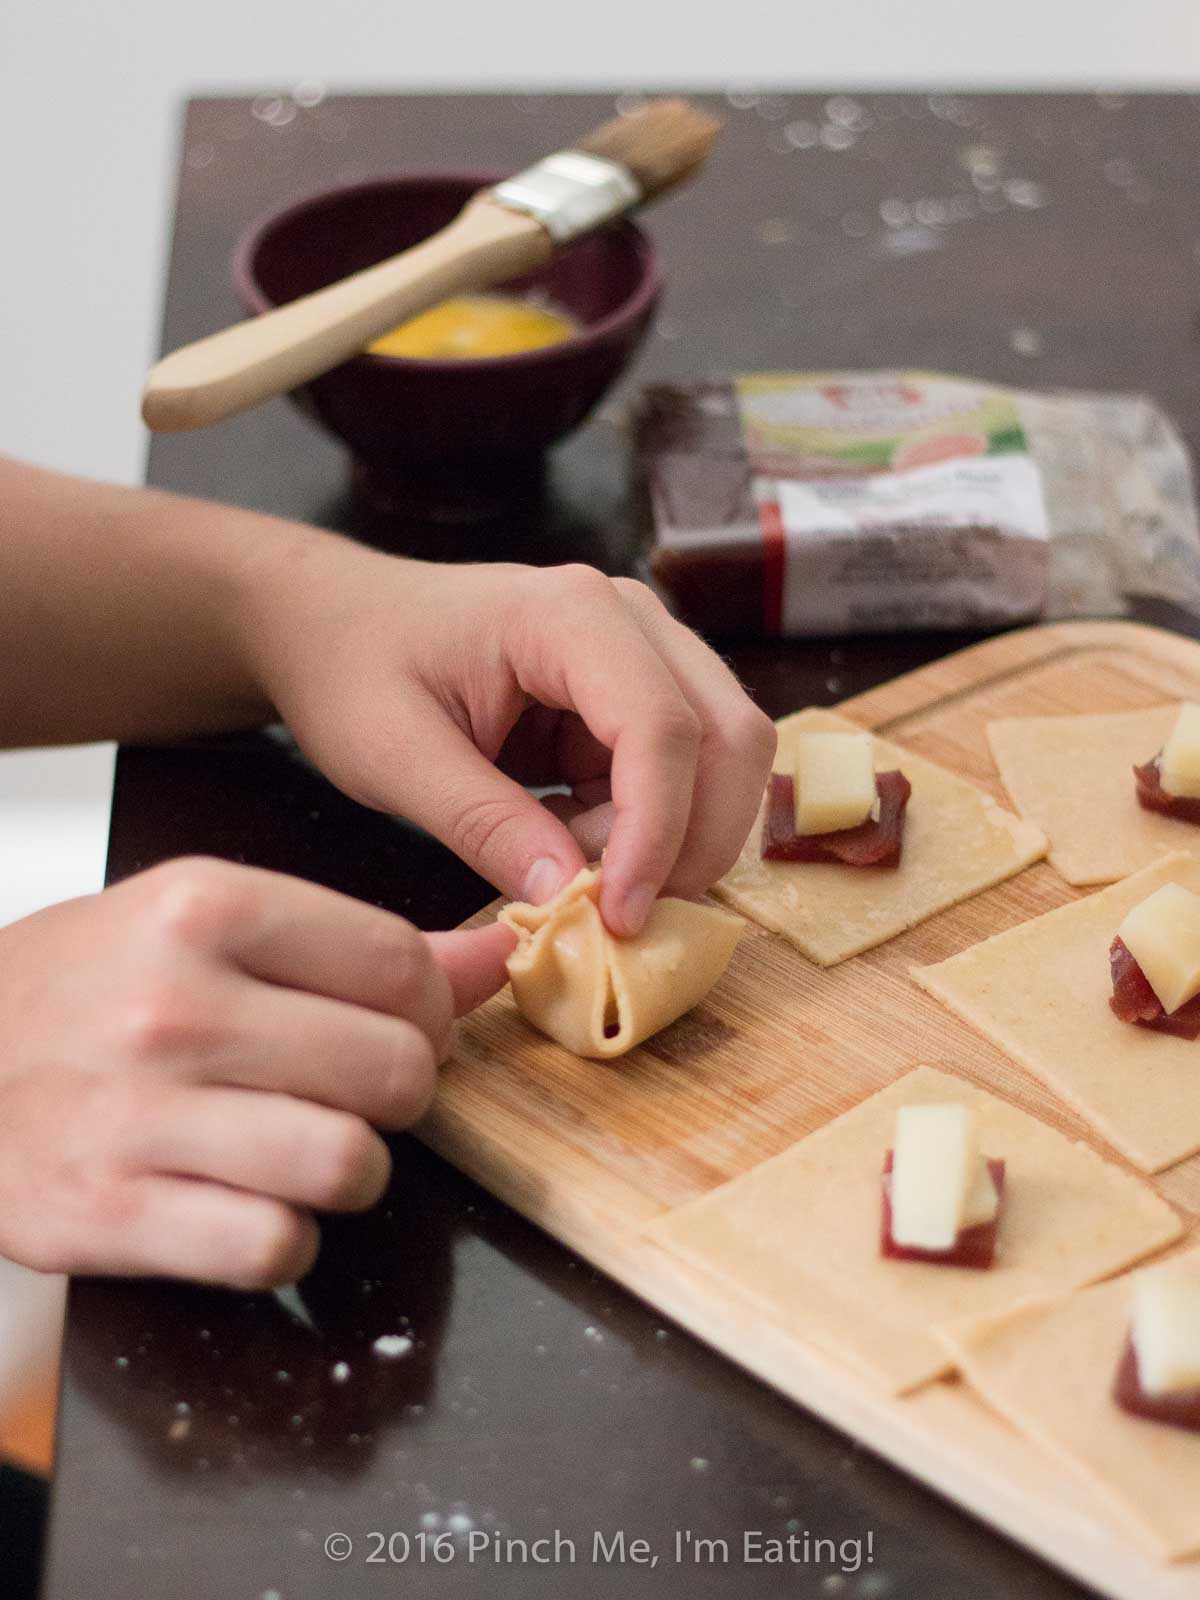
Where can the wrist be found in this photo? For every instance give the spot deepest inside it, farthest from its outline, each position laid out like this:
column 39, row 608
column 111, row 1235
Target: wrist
column 279, row 574
column 301, row 591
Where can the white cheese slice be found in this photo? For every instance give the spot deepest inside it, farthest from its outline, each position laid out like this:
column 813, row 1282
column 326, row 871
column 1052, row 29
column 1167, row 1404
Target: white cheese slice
column 1162, row 933
column 1166, row 1327
column 834, row 781
column 1179, row 764
column 935, row 1161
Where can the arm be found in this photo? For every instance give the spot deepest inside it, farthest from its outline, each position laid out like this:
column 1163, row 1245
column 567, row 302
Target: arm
column 431, row 691
column 121, row 612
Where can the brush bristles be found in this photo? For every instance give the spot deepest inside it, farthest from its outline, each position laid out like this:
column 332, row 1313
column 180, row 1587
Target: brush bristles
column 660, row 144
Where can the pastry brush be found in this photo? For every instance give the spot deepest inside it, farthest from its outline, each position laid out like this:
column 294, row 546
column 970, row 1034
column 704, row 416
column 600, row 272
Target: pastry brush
column 501, row 233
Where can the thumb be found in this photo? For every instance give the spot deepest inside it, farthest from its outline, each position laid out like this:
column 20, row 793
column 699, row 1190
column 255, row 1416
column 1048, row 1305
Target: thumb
column 496, row 826
column 473, row 960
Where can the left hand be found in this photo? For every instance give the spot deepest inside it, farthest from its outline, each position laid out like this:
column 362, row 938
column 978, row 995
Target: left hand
column 436, row 692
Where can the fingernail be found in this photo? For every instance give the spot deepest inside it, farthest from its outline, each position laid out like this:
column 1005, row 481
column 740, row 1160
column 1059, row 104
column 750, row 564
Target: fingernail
column 542, row 881
column 637, row 904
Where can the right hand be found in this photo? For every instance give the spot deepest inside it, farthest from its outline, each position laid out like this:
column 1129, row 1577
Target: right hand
column 438, row 692
column 197, row 1059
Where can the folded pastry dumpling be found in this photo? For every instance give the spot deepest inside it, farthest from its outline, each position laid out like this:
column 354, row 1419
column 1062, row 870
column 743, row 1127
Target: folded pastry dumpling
column 599, row 995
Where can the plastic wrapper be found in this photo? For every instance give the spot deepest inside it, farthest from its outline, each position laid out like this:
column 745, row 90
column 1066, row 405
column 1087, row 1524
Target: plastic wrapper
column 803, row 504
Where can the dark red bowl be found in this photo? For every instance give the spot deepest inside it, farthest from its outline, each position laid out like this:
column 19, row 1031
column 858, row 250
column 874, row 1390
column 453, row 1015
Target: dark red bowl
column 442, row 419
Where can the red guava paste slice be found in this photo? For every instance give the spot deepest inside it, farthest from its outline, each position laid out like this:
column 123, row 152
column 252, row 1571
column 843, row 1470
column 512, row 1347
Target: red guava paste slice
column 1181, row 1409
column 1135, row 1001
column 872, row 844
column 974, row 1247
column 1154, row 797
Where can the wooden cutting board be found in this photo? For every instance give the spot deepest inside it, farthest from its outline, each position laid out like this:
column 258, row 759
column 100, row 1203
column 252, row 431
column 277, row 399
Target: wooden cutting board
column 593, row 1152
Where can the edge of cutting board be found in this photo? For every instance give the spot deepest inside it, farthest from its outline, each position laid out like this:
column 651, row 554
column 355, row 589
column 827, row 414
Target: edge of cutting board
column 1007, row 655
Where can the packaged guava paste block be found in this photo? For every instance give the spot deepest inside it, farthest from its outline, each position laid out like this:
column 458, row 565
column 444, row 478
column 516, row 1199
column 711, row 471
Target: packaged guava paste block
column 845, row 502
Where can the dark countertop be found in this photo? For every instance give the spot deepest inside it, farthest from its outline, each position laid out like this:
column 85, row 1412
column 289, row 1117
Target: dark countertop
column 209, row 1442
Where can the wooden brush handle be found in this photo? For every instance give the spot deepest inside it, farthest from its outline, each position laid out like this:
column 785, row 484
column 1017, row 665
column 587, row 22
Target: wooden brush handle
column 232, row 370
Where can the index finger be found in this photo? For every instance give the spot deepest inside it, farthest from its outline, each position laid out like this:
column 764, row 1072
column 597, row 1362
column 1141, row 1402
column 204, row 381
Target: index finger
column 736, row 754
column 592, row 658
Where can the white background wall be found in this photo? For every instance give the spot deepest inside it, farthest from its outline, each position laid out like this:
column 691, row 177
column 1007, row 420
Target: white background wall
column 89, row 102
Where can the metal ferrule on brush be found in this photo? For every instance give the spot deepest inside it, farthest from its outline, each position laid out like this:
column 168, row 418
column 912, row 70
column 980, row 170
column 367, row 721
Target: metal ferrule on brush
column 570, row 193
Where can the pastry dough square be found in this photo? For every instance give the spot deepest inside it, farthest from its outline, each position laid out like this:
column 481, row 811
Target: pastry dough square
column 957, row 842
column 597, row 995
column 1041, row 990
column 1047, row 1367
column 1073, row 778
column 797, row 1238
